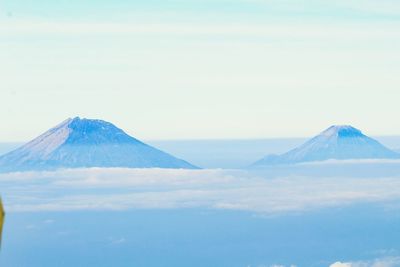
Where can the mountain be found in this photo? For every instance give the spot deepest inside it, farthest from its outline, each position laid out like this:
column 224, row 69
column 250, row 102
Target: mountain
column 87, row 143
column 337, row 142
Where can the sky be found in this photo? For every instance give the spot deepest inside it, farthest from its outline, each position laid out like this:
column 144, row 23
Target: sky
column 221, row 69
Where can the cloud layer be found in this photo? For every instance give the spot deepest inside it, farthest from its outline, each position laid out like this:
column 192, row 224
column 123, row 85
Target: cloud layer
column 122, row 189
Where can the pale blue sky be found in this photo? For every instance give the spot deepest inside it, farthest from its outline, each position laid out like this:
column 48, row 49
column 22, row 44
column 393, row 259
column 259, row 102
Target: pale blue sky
column 200, row 69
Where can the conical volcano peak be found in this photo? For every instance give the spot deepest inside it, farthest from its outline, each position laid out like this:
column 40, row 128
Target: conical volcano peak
column 79, row 122
column 93, row 131
column 339, row 142
column 81, row 142
column 342, row 131
column 90, row 125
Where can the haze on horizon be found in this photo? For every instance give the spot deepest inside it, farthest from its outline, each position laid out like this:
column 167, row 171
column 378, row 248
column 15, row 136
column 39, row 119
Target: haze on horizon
column 200, row 69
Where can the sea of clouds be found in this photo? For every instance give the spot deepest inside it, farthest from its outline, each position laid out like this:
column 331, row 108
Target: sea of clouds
column 255, row 191
column 266, row 192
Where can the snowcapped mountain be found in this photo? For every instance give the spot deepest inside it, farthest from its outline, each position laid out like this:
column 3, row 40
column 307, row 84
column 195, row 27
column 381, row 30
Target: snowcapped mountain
column 337, row 142
column 87, row 143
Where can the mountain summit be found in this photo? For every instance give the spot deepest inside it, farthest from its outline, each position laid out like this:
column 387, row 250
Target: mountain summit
column 80, row 142
column 339, row 142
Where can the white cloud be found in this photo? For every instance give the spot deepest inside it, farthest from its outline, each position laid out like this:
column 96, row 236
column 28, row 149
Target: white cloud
column 340, row 264
column 121, row 189
column 117, row 241
column 381, row 262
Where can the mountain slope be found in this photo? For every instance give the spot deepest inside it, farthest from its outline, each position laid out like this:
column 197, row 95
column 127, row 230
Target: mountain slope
column 87, row 143
column 337, row 142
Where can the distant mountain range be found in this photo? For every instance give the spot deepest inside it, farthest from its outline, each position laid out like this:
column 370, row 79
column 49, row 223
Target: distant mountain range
column 337, row 142
column 80, row 142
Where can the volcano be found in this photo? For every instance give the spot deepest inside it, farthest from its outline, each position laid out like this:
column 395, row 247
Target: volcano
column 83, row 143
column 342, row 142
